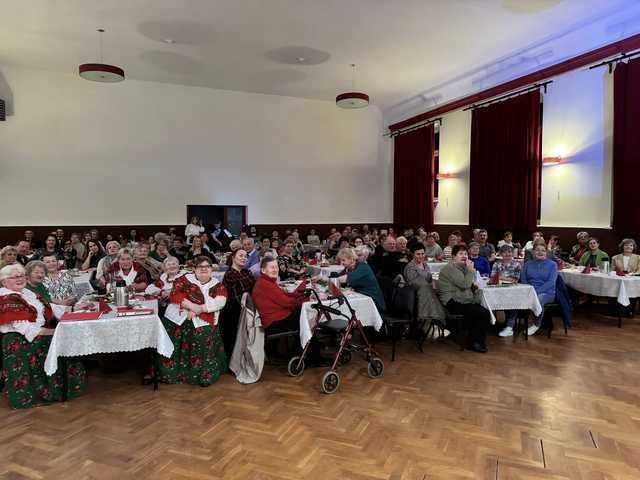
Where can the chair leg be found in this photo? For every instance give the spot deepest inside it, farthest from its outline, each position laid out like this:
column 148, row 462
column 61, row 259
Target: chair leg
column 526, row 327
column 566, row 332
column 618, row 309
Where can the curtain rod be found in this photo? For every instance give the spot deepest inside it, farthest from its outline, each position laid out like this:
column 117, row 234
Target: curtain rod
column 613, row 61
column 412, row 128
column 506, row 96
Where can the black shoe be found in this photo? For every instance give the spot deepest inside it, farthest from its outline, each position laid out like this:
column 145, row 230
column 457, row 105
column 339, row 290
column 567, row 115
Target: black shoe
column 479, row 347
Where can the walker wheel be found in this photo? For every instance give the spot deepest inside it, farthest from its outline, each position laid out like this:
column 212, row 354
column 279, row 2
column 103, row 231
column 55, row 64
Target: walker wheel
column 330, row 382
column 295, row 367
column 345, row 357
column 375, row 368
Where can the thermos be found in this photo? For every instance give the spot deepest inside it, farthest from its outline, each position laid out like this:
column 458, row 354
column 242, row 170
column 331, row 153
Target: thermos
column 605, row 267
column 121, row 294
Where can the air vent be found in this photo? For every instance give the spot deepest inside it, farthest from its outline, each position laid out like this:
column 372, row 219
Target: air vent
column 3, row 111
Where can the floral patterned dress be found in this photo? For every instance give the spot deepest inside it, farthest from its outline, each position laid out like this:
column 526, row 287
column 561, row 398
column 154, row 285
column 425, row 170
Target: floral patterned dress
column 198, row 357
column 22, row 315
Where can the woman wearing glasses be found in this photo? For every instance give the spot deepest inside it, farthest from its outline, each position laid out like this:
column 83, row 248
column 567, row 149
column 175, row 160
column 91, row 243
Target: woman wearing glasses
column 191, row 320
column 25, row 322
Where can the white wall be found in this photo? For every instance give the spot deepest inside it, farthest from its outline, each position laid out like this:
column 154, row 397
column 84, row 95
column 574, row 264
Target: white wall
column 578, row 125
column 454, row 151
column 79, row 152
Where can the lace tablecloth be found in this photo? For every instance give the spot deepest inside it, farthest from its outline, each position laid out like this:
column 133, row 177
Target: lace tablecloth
column 326, row 271
column 364, row 306
column 81, row 280
column 603, row 285
column 109, row 334
column 513, row 297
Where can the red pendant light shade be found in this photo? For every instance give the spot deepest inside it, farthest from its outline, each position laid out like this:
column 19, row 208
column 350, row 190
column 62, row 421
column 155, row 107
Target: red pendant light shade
column 352, row 100
column 101, row 72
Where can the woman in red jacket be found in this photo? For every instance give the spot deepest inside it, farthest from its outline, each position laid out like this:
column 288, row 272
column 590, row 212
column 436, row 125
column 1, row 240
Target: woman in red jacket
column 279, row 310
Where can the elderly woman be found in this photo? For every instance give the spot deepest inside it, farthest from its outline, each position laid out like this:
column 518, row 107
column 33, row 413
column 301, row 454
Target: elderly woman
column 363, row 252
column 460, row 295
column 580, row 248
column 25, row 322
column 418, row 275
column 105, row 262
column 60, row 285
column 452, row 241
column 431, row 249
column 238, row 281
column 360, row 277
column 279, row 310
column 507, row 270
column 162, row 250
column 36, row 271
column 594, row 257
column 403, row 252
column 126, row 269
column 163, row 285
column 191, row 320
column 141, row 254
column 480, row 263
column 627, row 261
column 541, row 273
column 288, row 266
column 8, row 256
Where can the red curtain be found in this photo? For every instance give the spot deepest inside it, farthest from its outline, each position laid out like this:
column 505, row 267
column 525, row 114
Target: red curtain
column 413, row 178
column 505, row 164
column 626, row 147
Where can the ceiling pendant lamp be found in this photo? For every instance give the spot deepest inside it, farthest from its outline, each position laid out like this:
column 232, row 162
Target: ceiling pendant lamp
column 352, row 99
column 101, row 72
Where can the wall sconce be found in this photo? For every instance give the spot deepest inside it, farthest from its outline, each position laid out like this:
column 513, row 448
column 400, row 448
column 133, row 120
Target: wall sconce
column 443, row 176
column 550, row 161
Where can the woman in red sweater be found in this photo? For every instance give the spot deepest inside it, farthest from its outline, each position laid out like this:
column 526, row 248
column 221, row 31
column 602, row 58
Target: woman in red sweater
column 279, row 310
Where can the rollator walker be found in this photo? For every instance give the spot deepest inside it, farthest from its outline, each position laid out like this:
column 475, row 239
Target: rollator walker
column 330, row 320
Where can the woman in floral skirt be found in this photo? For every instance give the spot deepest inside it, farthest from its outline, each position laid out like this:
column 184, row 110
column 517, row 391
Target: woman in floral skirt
column 191, row 320
column 25, row 322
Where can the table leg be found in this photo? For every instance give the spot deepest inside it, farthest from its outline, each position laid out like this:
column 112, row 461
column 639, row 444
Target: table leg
column 62, row 365
column 156, row 368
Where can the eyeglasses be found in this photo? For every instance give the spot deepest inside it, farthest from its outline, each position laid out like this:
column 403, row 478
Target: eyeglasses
column 204, row 266
column 16, row 277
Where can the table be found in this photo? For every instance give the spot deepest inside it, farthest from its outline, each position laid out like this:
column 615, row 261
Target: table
column 513, row 297
column 82, row 282
column 435, row 267
column 364, row 306
column 602, row 284
column 326, row 270
column 109, row 334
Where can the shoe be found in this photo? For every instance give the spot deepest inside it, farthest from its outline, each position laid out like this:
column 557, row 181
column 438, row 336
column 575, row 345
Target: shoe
column 506, row 332
column 533, row 329
column 478, row 347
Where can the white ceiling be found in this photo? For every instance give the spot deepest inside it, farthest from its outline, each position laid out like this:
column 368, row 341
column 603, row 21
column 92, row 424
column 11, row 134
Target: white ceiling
column 402, row 47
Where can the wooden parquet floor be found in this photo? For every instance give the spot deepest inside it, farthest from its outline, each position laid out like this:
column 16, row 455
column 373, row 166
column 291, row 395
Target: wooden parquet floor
column 559, row 408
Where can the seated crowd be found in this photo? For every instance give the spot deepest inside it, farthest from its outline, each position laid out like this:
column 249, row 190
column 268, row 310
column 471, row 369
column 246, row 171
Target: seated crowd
column 200, row 279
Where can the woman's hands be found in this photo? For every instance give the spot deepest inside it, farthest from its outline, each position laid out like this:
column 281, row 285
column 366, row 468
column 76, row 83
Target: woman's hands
column 192, row 308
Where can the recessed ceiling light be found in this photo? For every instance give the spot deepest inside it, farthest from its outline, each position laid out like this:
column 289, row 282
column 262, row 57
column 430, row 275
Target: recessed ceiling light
column 168, row 40
column 300, row 59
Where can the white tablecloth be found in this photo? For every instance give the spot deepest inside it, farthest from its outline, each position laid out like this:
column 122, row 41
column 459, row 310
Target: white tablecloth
column 109, row 334
column 513, row 297
column 326, row 271
column 364, row 306
column 435, row 267
column 81, row 280
column 603, row 285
